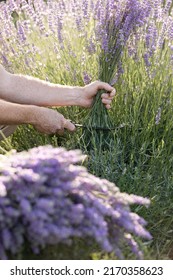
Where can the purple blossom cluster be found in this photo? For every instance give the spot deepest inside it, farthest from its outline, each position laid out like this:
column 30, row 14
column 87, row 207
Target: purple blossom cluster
column 116, row 21
column 45, row 198
column 156, row 33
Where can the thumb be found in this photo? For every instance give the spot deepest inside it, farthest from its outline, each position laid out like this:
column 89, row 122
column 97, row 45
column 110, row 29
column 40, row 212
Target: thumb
column 68, row 125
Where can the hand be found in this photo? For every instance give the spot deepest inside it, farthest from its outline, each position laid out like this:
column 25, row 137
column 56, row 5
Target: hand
column 89, row 91
column 49, row 121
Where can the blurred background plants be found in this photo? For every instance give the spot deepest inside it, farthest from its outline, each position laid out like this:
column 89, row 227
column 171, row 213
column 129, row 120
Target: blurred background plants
column 37, row 38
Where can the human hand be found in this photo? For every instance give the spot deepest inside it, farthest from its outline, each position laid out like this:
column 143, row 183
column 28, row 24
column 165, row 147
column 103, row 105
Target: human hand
column 49, row 121
column 89, row 91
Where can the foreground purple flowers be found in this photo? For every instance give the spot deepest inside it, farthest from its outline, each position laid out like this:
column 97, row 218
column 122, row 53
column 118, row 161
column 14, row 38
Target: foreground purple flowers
column 46, row 199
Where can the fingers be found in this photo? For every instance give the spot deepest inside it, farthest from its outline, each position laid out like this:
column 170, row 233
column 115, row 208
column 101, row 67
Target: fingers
column 68, row 125
column 111, row 94
column 65, row 125
column 108, row 106
column 106, row 101
column 107, row 98
column 105, row 86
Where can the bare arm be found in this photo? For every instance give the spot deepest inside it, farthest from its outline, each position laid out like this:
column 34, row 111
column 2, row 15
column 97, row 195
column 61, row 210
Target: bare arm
column 29, row 90
column 43, row 119
column 11, row 113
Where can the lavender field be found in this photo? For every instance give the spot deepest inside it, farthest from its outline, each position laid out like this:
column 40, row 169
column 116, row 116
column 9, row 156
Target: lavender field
column 129, row 44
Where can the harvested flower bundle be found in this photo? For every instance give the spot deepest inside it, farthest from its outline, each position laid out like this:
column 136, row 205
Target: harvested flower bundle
column 115, row 21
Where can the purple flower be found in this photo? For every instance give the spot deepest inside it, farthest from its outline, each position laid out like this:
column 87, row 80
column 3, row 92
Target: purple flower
column 46, row 199
column 158, row 116
column 86, row 78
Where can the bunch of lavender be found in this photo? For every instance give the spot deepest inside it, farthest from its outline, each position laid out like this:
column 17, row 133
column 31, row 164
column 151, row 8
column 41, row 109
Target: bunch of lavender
column 45, row 198
column 115, row 22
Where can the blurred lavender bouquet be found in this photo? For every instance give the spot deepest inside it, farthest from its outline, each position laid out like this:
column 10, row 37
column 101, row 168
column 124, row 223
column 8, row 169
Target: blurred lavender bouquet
column 46, row 199
column 115, row 21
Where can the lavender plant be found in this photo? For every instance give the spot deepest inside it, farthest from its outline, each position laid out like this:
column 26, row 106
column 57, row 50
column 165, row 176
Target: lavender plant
column 45, row 198
column 147, row 84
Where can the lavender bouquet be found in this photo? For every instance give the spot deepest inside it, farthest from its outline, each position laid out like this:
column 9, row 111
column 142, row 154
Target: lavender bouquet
column 115, row 21
column 46, row 199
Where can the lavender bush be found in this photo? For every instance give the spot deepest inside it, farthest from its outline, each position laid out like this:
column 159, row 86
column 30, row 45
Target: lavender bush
column 45, row 198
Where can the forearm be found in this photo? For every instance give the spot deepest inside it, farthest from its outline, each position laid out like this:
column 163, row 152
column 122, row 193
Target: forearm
column 11, row 113
column 29, row 90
